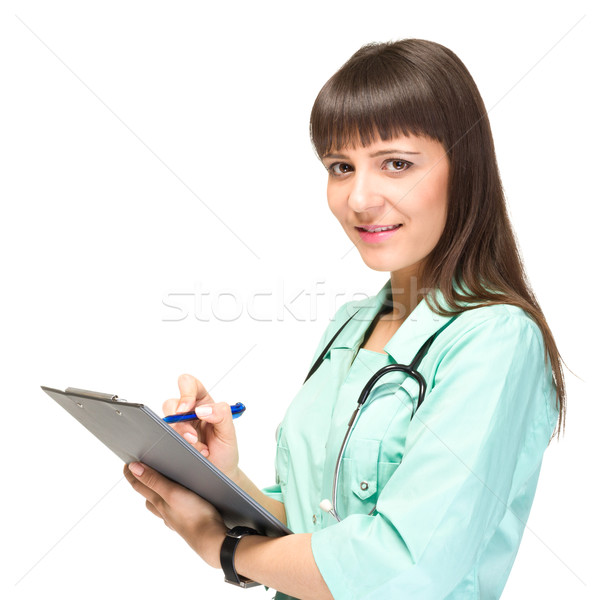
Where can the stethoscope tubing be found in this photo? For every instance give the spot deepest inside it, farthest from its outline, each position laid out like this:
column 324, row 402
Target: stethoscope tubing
column 411, row 371
column 361, row 401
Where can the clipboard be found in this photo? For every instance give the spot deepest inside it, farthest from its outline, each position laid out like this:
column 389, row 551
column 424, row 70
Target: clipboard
column 135, row 433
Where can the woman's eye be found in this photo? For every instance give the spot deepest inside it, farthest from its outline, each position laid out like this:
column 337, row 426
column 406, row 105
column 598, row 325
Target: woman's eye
column 339, row 169
column 396, row 165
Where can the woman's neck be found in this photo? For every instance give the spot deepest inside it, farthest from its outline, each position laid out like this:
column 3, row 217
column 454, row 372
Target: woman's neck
column 407, row 291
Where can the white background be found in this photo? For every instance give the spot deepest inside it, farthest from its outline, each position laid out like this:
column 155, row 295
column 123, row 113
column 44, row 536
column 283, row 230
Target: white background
column 153, row 149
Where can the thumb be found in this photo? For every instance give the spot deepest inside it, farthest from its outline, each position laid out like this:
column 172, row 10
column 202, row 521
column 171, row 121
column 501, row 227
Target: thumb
column 189, row 392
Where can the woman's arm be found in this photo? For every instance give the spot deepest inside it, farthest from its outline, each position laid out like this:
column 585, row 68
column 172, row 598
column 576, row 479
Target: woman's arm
column 276, row 508
column 285, row 564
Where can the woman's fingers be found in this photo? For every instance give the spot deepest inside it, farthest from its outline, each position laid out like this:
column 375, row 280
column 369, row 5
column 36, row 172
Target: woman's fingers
column 150, row 483
column 192, row 438
column 219, row 435
column 139, row 482
column 156, row 513
column 212, row 434
column 192, row 393
column 142, row 489
column 219, row 416
column 153, row 509
column 187, row 429
column 169, row 406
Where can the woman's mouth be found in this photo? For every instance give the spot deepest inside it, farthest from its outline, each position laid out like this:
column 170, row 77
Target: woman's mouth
column 377, row 233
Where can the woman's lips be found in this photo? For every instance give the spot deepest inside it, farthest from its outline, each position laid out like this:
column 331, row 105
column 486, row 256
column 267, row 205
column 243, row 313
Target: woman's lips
column 373, row 237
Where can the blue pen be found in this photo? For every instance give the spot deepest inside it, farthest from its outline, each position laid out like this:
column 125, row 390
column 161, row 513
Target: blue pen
column 237, row 410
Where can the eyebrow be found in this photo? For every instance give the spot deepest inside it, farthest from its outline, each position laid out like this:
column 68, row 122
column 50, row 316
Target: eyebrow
column 374, row 154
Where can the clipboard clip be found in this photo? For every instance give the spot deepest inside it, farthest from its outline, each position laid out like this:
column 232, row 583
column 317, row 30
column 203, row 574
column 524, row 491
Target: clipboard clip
column 97, row 395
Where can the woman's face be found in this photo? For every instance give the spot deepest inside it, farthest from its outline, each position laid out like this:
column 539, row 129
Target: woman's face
column 398, row 182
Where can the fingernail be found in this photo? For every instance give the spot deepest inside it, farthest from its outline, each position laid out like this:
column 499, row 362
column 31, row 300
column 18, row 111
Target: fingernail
column 204, row 452
column 203, row 411
column 136, row 469
column 190, row 437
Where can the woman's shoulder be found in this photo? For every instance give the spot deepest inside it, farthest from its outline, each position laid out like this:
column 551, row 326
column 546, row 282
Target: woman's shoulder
column 477, row 313
column 504, row 325
column 502, row 340
column 507, row 315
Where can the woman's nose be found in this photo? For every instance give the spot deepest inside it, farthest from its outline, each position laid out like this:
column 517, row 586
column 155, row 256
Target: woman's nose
column 364, row 193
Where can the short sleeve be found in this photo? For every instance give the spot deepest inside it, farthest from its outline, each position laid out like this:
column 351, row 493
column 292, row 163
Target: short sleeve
column 484, row 419
column 273, row 491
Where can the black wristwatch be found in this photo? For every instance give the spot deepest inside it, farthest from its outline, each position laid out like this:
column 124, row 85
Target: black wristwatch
column 232, row 539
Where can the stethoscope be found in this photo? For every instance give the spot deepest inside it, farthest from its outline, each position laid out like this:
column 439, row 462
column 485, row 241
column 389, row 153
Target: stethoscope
column 410, row 370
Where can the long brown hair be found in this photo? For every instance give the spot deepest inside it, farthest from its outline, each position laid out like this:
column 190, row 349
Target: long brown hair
column 418, row 87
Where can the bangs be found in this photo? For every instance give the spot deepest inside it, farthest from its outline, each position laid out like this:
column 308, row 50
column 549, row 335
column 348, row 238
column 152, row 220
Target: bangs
column 377, row 94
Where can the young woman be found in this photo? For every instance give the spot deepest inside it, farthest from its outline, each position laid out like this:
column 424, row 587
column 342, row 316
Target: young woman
column 429, row 494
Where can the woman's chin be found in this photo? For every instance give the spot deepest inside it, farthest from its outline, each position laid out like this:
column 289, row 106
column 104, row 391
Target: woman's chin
column 377, row 265
column 379, row 259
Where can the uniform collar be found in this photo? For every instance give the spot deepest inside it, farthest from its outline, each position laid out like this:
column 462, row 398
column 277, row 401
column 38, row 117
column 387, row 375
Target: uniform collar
column 411, row 335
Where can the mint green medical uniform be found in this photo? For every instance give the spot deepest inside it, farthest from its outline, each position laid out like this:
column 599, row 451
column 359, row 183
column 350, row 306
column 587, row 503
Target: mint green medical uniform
column 452, row 487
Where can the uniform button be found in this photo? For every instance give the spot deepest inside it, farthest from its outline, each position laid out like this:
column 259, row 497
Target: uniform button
column 314, row 519
column 364, row 486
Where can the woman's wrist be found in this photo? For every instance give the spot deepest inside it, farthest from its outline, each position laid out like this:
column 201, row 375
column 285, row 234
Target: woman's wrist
column 236, row 475
column 208, row 542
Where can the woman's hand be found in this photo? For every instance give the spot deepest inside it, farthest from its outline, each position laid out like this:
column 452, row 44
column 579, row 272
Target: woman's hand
column 194, row 519
column 213, row 435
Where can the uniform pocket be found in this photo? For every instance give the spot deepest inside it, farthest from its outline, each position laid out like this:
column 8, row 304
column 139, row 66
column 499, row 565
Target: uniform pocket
column 363, row 468
column 363, row 477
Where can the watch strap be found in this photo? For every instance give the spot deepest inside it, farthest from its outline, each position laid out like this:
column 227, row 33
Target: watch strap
column 232, row 539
